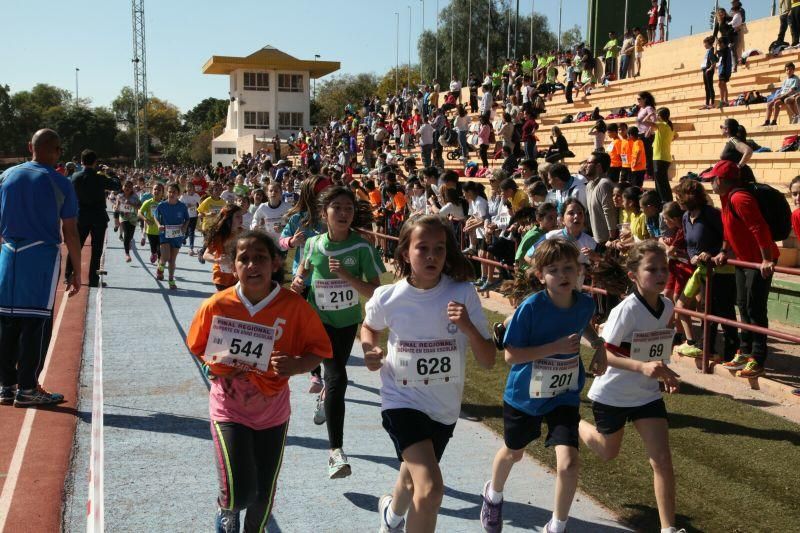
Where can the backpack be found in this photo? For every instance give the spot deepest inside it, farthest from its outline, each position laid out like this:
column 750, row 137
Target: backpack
column 567, row 119
column 538, row 104
column 774, row 208
column 790, row 144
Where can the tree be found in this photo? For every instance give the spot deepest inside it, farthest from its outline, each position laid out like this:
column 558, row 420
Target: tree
column 336, row 92
column 207, row 113
column 81, row 128
column 386, row 85
column 29, row 109
column 163, row 119
column 496, row 15
column 8, row 124
column 571, row 37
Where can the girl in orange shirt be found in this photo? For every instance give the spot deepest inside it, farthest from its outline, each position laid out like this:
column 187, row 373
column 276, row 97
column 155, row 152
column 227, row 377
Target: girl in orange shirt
column 624, row 153
column 638, row 159
column 261, row 334
column 226, row 228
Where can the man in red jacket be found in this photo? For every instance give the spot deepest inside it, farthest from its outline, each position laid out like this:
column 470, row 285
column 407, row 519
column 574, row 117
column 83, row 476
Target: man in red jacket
column 747, row 237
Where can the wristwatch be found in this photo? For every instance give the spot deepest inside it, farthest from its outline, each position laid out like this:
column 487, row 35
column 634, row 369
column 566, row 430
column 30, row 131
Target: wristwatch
column 597, row 343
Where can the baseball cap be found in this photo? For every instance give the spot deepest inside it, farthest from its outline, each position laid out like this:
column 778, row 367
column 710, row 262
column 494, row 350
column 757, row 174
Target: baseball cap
column 724, row 170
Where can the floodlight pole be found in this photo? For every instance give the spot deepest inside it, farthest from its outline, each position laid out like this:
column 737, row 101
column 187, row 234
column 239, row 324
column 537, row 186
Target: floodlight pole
column 396, row 53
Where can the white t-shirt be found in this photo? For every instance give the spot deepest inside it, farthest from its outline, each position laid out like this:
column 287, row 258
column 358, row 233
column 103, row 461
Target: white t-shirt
column 623, row 388
column 266, row 217
column 584, row 240
column 192, row 200
column 479, row 208
column 451, row 209
column 390, row 307
column 228, row 196
column 247, row 219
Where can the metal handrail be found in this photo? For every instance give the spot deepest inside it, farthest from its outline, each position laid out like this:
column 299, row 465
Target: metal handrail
column 705, row 316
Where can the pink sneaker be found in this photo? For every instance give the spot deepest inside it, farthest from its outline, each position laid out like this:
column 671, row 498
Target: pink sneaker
column 316, row 384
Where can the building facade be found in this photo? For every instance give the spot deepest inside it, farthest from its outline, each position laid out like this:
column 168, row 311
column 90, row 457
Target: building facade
column 269, row 93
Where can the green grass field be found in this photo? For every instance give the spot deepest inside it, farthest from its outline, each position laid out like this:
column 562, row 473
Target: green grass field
column 735, row 465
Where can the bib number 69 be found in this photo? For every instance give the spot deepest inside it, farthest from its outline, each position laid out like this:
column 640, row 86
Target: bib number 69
column 656, row 350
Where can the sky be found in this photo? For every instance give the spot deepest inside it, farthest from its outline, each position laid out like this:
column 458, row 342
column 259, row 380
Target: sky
column 95, row 36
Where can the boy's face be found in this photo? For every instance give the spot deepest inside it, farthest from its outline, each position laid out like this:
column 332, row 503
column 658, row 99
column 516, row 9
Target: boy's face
column 790, row 71
column 559, row 277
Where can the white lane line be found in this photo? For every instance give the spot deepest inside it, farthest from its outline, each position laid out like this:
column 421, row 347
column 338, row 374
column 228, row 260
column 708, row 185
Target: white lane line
column 25, row 431
column 95, row 515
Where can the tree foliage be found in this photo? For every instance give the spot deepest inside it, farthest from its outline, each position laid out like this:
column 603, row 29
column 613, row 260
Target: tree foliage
column 387, row 84
column 336, row 92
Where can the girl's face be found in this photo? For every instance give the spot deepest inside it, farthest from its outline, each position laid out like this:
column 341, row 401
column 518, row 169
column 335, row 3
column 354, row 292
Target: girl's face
column 673, row 223
column 339, row 213
column 427, row 253
column 214, row 191
column 651, row 276
column 238, row 221
column 549, row 221
column 418, row 191
column 649, row 210
column 243, row 202
column 158, row 192
column 274, row 192
column 573, row 218
column 795, row 192
column 630, row 205
column 616, row 197
column 254, row 266
column 560, row 277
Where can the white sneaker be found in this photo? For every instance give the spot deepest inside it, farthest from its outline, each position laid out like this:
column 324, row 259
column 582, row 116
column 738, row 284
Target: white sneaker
column 319, row 411
column 338, row 466
column 383, row 505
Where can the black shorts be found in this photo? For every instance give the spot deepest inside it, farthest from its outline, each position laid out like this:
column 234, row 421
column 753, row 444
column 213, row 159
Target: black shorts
column 409, row 426
column 520, row 428
column 610, row 419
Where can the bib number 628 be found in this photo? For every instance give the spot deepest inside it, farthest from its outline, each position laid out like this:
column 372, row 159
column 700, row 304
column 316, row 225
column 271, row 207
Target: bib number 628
column 432, row 366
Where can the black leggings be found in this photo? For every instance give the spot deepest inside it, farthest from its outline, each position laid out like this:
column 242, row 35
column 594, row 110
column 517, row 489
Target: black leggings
column 336, row 380
column 128, row 229
column 708, row 83
column 190, row 232
column 155, row 244
column 484, row 151
column 23, row 346
column 248, row 463
column 661, row 178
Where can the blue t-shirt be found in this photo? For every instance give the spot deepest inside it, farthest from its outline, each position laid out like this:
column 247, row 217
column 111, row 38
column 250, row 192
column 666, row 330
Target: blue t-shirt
column 292, row 225
column 34, row 198
column 538, row 321
column 171, row 214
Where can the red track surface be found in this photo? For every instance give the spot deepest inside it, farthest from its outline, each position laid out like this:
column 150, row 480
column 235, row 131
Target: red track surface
column 39, row 494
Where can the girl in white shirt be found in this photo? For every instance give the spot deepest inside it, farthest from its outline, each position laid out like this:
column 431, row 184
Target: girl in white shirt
column 422, row 373
column 638, row 345
column 192, row 201
column 270, row 216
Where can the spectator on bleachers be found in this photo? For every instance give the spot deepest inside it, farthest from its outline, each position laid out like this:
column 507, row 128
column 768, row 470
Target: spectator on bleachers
column 749, row 238
column 510, row 162
column 601, row 210
column 626, row 55
column 707, row 68
column 662, row 152
column 611, row 49
column 425, row 136
column 529, row 128
column 563, row 186
column 461, row 125
column 598, row 133
column 663, row 15
column 738, row 24
column 645, row 119
column 484, row 134
column 652, row 21
column 514, row 197
column 638, row 157
column 787, row 92
column 736, row 149
column 559, row 148
column 640, row 41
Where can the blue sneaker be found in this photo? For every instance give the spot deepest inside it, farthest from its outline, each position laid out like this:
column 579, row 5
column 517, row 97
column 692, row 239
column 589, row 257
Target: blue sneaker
column 7, row 395
column 491, row 513
column 226, row 521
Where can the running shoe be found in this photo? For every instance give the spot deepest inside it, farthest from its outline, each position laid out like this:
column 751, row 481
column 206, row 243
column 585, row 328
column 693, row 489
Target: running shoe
column 548, row 529
column 383, row 505
column 316, row 384
column 226, row 521
column 491, row 513
column 7, row 395
column 338, row 466
column 37, row 396
column 319, row 411
column 200, row 259
column 127, row 258
column 751, row 370
column 498, row 334
column 172, row 284
column 737, row 363
column 153, row 258
column 191, row 253
column 689, row 350
column 141, row 243
column 489, row 285
column 160, row 273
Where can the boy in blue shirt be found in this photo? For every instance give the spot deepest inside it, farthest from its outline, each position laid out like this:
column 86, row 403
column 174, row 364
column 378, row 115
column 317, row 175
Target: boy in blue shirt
column 173, row 219
column 542, row 343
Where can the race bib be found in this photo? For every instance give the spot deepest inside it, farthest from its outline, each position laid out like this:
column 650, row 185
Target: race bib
column 334, row 294
column 192, row 211
column 551, row 377
column 240, row 344
column 225, row 267
column 422, row 363
column 653, row 345
column 198, row 188
column 624, row 158
column 215, row 210
column 173, row 232
column 127, row 209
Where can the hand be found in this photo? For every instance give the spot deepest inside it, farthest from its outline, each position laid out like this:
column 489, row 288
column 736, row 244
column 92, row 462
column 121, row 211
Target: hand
column 658, row 370
column 702, row 257
column 74, row 283
column 335, row 267
column 599, row 362
column 720, row 259
column 373, row 359
column 298, row 238
column 458, row 315
column 566, row 345
column 284, row 364
column 298, row 285
column 161, row 228
column 767, row 268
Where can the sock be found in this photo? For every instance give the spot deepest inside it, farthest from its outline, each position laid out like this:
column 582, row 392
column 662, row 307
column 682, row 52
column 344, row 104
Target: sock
column 557, row 526
column 492, row 496
column 668, row 530
column 691, row 342
column 391, row 519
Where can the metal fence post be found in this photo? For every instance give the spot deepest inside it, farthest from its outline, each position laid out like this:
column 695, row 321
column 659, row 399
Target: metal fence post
column 707, row 325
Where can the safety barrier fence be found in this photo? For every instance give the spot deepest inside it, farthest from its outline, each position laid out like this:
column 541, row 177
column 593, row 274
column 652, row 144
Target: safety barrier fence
column 704, row 316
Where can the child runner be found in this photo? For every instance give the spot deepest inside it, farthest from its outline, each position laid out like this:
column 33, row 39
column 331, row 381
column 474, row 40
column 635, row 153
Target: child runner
column 422, row 374
column 126, row 209
column 302, row 222
column 173, row 219
column 269, row 216
column 147, row 212
column 226, row 228
column 546, row 221
column 191, row 200
column 542, row 342
column 638, row 342
column 249, row 410
column 337, row 263
column 208, row 212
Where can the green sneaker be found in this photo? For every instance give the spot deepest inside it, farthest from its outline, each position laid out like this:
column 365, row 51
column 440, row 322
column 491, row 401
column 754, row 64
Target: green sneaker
column 689, row 350
column 751, row 370
column 737, row 363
